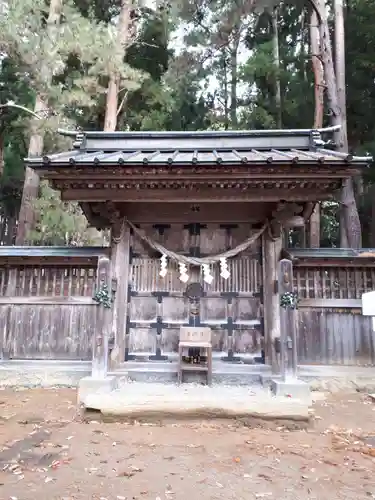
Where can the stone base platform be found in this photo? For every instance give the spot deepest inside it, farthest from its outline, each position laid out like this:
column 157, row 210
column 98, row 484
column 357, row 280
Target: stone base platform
column 144, row 401
column 291, row 388
column 90, row 385
column 58, row 373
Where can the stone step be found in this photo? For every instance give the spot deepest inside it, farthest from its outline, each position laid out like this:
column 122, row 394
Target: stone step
column 166, row 372
column 159, row 401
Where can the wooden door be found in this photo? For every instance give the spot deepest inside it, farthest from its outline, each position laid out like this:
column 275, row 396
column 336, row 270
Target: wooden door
column 158, row 306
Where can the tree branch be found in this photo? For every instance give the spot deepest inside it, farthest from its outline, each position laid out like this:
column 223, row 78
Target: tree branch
column 18, row 106
column 122, row 103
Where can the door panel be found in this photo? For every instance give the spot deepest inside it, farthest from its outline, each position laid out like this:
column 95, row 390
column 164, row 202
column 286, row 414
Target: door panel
column 158, row 306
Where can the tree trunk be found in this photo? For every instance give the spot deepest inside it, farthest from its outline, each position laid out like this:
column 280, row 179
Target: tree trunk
column 276, row 62
column 340, row 67
column 26, row 216
column 31, row 184
column 110, row 119
column 233, row 86
column 11, row 226
column 123, row 35
column 318, row 70
column 350, row 220
column 372, row 219
column 1, row 155
column 226, row 94
column 341, row 95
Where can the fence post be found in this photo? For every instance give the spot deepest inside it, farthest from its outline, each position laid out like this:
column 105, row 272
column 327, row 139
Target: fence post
column 288, row 304
column 103, row 319
column 99, row 381
column 289, row 385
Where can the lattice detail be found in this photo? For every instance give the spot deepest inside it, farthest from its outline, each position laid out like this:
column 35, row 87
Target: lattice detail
column 245, row 276
column 51, row 281
column 333, row 282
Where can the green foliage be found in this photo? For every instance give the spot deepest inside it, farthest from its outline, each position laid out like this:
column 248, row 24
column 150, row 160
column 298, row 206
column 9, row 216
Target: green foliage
column 60, row 223
column 360, row 64
column 14, row 86
column 225, row 63
column 103, row 297
column 67, row 64
column 147, row 107
column 289, row 300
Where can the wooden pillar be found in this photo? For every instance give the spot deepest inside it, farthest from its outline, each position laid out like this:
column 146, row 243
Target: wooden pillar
column 120, row 261
column 288, row 333
column 271, row 308
column 103, row 322
column 314, row 228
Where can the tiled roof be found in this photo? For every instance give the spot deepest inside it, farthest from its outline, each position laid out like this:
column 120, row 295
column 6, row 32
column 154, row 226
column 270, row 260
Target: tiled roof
column 195, row 157
column 197, row 148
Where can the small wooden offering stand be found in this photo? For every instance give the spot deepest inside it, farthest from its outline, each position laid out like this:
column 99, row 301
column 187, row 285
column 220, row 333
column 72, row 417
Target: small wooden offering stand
column 199, row 339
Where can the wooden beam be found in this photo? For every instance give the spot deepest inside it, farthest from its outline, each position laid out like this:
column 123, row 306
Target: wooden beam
column 295, row 221
column 330, row 303
column 195, row 196
column 336, row 262
column 53, row 301
column 49, row 262
column 184, row 174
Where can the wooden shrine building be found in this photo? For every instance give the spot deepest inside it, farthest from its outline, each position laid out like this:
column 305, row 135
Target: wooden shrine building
column 197, row 194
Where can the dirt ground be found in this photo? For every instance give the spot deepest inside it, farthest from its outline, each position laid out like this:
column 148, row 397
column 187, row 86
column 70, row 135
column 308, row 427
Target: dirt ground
column 49, row 452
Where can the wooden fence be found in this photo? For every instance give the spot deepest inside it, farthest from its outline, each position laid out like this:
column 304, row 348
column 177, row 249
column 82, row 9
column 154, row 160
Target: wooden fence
column 47, row 310
column 46, row 305
column 330, row 283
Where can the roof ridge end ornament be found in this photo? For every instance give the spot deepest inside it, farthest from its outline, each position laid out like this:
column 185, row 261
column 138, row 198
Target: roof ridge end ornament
column 78, row 135
column 316, row 136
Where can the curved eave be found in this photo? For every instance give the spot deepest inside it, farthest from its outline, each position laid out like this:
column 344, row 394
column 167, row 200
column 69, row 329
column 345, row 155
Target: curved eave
column 45, row 167
column 195, row 157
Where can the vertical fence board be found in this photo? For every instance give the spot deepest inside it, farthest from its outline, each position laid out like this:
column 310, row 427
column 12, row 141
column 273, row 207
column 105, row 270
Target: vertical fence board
column 39, row 316
column 328, row 336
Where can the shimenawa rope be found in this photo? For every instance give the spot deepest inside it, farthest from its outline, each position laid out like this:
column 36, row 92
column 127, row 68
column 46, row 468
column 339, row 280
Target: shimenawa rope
column 198, row 261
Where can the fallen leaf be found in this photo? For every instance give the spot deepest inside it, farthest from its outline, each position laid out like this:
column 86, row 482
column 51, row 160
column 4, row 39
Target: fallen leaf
column 329, row 462
column 136, row 469
column 264, row 476
column 126, row 474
